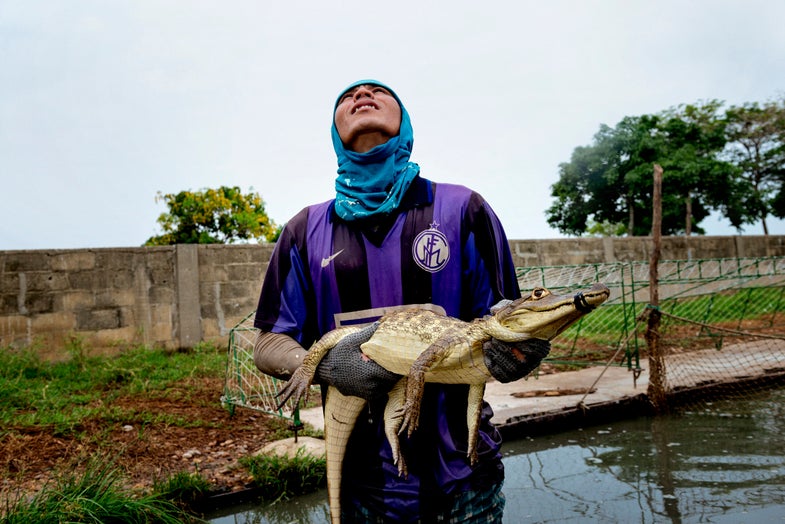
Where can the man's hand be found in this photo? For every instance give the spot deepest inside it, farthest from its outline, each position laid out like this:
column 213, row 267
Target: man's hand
column 353, row 373
column 509, row 361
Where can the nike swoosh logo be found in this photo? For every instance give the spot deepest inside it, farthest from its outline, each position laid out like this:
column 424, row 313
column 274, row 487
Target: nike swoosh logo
column 326, row 261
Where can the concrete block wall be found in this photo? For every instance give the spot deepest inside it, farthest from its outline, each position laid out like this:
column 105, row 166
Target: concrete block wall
column 575, row 251
column 230, row 278
column 177, row 296
column 169, row 297
column 109, row 297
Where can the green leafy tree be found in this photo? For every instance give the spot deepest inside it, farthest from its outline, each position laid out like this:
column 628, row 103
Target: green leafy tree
column 212, row 216
column 756, row 145
column 698, row 181
column 589, row 189
column 609, row 182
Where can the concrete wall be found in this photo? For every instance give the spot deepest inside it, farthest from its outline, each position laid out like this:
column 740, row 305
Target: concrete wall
column 170, row 297
column 179, row 295
column 574, row 251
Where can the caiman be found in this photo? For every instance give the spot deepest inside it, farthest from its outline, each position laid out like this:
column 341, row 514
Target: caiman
column 424, row 346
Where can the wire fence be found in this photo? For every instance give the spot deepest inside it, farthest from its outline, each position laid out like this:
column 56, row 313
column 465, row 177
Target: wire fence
column 246, row 386
column 722, row 329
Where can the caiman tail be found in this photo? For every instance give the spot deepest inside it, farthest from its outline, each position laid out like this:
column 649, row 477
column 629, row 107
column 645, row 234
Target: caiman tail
column 338, row 425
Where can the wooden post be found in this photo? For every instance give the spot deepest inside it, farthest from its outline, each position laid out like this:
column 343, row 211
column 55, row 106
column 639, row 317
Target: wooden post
column 656, row 389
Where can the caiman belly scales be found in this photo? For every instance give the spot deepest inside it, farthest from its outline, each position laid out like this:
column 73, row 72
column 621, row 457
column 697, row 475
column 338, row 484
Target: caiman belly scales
column 423, row 346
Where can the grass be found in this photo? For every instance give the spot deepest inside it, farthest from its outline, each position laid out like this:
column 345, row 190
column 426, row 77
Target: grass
column 61, row 395
column 282, row 477
column 183, row 488
column 93, row 496
column 596, row 337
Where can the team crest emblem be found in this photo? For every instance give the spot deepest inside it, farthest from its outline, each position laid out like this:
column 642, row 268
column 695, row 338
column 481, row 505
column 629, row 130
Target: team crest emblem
column 431, row 250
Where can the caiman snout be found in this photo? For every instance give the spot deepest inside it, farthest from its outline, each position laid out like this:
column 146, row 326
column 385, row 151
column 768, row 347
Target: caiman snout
column 544, row 314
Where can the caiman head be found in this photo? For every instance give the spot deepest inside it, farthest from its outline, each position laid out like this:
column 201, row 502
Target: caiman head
column 541, row 314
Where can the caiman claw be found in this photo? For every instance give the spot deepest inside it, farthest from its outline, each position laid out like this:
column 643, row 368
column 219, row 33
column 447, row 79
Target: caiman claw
column 296, row 387
column 302, row 378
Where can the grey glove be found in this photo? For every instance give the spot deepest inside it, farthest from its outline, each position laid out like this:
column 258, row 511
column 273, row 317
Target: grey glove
column 508, row 361
column 346, row 368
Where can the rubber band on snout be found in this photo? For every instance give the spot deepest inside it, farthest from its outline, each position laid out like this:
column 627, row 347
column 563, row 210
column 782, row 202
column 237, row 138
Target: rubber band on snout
column 581, row 304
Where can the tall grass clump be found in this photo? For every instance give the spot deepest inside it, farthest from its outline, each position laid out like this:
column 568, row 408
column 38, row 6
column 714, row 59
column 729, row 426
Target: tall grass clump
column 93, row 497
column 183, row 488
column 281, row 477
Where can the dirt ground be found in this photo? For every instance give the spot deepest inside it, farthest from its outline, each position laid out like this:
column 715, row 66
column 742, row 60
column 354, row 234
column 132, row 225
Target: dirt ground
column 209, row 441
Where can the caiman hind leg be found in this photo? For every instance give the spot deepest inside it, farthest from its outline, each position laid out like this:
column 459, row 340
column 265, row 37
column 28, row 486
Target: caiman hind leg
column 473, row 415
column 340, row 416
column 393, row 418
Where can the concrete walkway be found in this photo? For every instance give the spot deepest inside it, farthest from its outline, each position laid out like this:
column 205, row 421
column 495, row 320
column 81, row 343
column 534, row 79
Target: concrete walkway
column 535, row 400
column 593, row 395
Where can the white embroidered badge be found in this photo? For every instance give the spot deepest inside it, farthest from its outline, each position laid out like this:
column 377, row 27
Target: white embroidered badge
column 431, row 250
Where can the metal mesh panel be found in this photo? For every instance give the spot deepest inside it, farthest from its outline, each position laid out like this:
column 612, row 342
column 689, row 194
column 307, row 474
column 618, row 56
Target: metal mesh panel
column 723, row 320
column 244, row 384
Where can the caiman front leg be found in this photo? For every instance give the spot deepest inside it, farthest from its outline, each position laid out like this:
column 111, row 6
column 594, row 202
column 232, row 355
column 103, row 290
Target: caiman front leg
column 415, row 383
column 297, row 386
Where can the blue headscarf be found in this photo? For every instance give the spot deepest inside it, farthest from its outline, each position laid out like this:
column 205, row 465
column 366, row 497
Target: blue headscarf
column 374, row 182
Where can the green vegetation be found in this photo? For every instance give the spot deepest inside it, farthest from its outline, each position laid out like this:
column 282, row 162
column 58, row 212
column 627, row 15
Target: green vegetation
column 283, row 477
column 213, row 216
column 595, row 338
column 731, row 162
column 281, row 428
column 93, row 496
column 730, row 306
column 66, row 398
column 183, row 488
column 61, row 395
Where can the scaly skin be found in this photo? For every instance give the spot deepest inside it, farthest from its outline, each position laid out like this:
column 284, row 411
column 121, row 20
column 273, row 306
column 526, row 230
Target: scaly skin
column 423, row 346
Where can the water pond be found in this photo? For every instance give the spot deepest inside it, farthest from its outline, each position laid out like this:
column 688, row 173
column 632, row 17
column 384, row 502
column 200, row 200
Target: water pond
column 722, row 463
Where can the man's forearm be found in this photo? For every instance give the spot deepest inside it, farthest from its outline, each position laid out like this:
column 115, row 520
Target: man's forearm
column 277, row 355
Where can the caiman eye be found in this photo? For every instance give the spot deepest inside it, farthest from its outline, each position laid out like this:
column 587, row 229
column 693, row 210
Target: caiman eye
column 540, row 292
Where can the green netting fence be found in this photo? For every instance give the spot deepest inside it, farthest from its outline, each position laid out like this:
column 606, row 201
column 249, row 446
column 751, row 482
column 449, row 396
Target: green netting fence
column 722, row 330
column 244, row 384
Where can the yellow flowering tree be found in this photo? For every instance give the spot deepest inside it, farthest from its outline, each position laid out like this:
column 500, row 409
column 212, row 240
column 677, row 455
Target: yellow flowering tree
column 213, row 216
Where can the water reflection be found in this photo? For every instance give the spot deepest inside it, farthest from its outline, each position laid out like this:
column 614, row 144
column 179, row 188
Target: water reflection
column 723, row 463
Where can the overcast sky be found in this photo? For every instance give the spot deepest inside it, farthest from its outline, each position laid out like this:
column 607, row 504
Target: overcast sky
column 104, row 103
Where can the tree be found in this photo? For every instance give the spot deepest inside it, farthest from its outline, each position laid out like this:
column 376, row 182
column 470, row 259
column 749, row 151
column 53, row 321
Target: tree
column 212, row 216
column 609, row 182
column 756, row 145
column 591, row 187
column 695, row 177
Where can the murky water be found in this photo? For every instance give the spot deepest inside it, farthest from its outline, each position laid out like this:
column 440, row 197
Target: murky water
column 724, row 463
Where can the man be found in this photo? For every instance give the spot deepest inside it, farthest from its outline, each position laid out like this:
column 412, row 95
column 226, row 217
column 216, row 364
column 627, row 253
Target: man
column 392, row 238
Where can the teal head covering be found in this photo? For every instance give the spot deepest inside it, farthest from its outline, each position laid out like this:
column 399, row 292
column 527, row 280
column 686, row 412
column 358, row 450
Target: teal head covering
column 373, row 183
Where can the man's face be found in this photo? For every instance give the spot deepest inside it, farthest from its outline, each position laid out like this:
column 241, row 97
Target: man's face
column 367, row 116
